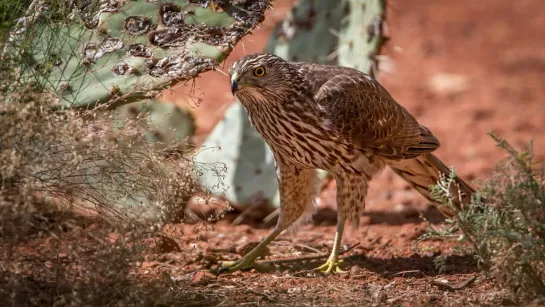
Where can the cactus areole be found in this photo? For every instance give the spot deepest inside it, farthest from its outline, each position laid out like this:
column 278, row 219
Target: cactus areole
column 125, row 51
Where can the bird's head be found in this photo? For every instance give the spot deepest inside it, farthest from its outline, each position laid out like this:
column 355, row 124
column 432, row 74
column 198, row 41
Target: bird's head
column 260, row 75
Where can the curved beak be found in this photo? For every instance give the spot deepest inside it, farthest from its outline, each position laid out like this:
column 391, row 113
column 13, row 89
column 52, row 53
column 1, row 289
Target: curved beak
column 234, row 84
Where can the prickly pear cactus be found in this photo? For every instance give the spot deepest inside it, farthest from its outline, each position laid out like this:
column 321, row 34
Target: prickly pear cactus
column 314, row 31
column 361, row 34
column 249, row 163
column 124, row 51
column 308, row 33
column 168, row 123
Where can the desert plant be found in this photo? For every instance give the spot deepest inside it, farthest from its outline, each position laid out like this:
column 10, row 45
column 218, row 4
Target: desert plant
column 507, row 231
column 50, row 43
column 72, row 159
column 83, row 190
column 9, row 12
column 168, row 123
column 61, row 172
column 91, row 52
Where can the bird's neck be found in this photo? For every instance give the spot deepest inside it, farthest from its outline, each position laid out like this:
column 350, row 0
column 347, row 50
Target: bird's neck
column 291, row 109
column 287, row 103
column 279, row 100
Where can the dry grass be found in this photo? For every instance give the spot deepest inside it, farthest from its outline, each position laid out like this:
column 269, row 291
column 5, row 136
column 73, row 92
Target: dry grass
column 81, row 201
column 83, row 195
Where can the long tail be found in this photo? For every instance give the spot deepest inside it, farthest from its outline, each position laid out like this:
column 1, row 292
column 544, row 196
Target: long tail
column 423, row 171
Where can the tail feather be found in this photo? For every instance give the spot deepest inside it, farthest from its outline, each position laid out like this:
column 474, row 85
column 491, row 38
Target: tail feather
column 423, row 171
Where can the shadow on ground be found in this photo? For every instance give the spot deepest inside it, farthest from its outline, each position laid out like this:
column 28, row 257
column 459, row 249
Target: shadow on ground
column 415, row 266
column 328, row 217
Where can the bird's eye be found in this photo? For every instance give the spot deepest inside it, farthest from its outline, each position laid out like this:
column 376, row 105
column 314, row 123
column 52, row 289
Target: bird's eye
column 259, row 72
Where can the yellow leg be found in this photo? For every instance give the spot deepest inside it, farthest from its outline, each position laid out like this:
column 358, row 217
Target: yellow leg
column 249, row 259
column 333, row 263
column 297, row 187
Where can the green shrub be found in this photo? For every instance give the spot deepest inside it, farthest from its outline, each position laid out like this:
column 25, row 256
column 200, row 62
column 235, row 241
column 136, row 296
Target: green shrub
column 504, row 225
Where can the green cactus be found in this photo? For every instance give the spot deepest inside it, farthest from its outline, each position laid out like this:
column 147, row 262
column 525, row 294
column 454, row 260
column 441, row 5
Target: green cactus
column 332, row 27
column 249, row 163
column 169, row 123
column 360, row 35
column 308, row 33
column 124, row 51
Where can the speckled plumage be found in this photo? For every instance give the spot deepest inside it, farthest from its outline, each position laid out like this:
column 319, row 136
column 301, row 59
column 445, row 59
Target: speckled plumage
column 337, row 119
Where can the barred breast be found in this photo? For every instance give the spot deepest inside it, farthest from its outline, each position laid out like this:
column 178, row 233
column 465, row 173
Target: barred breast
column 303, row 138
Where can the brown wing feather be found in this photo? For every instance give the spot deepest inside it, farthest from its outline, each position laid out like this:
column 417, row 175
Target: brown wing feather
column 365, row 113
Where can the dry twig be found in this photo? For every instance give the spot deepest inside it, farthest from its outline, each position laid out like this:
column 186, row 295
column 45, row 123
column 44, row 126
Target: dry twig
column 453, row 287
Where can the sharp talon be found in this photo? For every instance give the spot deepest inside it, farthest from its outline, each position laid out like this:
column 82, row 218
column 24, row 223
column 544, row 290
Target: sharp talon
column 331, row 267
column 231, row 266
column 220, row 269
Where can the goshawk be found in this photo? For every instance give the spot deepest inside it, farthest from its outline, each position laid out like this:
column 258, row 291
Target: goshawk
column 337, row 119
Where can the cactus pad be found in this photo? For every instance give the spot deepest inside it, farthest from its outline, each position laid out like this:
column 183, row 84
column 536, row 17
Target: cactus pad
column 308, row 33
column 249, row 163
column 168, row 123
column 360, row 35
column 124, row 51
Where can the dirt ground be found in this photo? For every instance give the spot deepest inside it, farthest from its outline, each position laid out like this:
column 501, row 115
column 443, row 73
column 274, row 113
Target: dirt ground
column 462, row 68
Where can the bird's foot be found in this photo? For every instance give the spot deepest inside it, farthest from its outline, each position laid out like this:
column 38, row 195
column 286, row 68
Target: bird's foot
column 331, row 266
column 232, row 266
column 242, row 264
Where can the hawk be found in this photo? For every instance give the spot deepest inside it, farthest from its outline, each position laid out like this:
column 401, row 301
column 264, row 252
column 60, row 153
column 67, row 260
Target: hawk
column 336, row 119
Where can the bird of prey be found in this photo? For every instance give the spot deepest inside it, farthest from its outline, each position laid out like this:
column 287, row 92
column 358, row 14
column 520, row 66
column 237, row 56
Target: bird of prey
column 336, row 119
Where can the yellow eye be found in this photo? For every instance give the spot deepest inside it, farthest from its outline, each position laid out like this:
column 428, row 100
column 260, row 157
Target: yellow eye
column 259, row 72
